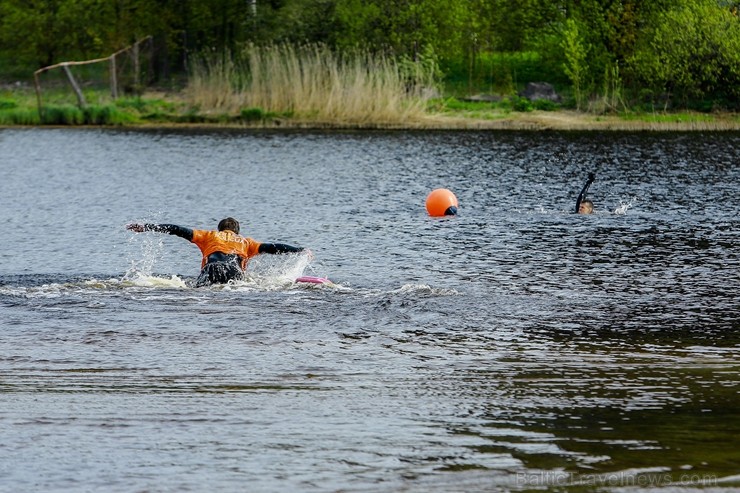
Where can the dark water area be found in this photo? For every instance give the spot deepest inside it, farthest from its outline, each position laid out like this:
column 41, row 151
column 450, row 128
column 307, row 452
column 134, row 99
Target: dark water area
column 515, row 347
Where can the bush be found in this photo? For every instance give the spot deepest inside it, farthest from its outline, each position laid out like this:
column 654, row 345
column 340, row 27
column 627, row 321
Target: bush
column 252, row 114
column 62, row 115
column 523, row 105
column 691, row 53
column 545, row 105
column 97, row 115
column 19, row 116
column 7, row 104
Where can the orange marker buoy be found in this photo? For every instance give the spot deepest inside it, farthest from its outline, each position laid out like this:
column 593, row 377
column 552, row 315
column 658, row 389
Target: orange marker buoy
column 441, row 202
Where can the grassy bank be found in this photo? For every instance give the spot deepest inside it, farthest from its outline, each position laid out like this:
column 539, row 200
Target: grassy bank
column 311, row 86
column 19, row 108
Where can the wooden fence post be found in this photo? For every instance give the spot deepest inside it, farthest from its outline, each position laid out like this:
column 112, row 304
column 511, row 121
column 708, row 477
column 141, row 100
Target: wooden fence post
column 37, row 83
column 135, row 50
column 75, row 87
column 113, row 73
column 113, row 77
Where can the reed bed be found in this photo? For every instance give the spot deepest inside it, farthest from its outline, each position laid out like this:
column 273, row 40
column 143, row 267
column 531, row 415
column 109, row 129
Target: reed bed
column 313, row 83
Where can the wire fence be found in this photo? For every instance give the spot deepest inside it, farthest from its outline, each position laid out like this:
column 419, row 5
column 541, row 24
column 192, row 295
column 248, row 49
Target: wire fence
column 98, row 81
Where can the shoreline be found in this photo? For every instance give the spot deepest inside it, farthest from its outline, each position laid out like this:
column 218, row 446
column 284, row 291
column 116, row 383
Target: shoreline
column 558, row 120
column 536, row 121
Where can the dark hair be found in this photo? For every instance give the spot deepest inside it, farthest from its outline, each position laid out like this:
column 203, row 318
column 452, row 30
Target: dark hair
column 229, row 223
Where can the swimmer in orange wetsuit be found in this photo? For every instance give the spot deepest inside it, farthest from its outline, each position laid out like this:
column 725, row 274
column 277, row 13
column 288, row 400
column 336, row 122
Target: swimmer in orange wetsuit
column 225, row 252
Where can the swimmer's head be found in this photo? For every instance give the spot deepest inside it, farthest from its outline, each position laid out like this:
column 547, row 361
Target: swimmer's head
column 230, row 224
column 586, row 207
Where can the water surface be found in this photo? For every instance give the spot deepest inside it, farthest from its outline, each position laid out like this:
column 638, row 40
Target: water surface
column 513, row 347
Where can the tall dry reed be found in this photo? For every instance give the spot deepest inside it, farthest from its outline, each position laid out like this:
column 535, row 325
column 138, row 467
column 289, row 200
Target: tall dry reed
column 312, row 82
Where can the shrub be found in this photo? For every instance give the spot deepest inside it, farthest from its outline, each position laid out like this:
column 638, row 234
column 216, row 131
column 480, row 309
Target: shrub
column 521, row 104
column 545, row 105
column 7, row 104
column 252, row 114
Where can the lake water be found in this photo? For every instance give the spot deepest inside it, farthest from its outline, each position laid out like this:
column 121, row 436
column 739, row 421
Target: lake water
column 517, row 346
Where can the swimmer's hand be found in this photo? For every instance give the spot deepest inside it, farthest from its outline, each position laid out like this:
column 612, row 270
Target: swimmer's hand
column 138, row 228
column 591, row 177
column 309, row 254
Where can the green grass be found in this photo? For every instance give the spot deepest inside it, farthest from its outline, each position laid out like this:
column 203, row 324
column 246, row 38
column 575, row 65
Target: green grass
column 7, row 104
column 19, row 116
column 488, row 109
column 681, row 117
column 90, row 115
column 60, row 108
column 66, row 114
column 252, row 114
column 19, row 107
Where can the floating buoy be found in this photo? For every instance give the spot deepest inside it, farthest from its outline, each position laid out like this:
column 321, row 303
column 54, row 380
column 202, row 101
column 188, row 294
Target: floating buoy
column 441, row 202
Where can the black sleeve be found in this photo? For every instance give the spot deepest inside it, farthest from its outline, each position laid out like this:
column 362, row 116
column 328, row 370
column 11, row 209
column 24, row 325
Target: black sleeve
column 171, row 229
column 278, row 248
column 582, row 195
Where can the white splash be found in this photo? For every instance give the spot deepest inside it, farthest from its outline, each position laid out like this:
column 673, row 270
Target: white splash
column 275, row 272
column 424, row 289
column 624, row 206
column 150, row 250
column 148, row 281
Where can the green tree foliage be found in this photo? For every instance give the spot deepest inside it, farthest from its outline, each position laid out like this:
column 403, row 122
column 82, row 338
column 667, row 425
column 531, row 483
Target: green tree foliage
column 575, row 51
column 29, row 31
column 686, row 48
column 692, row 51
column 406, row 27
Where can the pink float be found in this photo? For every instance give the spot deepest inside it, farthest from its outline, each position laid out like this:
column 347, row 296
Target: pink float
column 312, row 279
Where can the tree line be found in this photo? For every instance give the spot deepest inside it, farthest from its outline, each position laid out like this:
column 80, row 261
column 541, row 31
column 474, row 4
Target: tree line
column 679, row 51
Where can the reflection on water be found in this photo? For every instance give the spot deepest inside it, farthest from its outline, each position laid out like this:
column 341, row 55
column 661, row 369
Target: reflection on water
column 517, row 346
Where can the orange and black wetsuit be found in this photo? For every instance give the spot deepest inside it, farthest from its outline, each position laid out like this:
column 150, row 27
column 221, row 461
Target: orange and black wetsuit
column 225, row 253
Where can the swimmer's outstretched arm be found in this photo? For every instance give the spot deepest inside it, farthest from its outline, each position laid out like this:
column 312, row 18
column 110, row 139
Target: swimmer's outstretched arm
column 275, row 248
column 172, row 229
column 582, row 195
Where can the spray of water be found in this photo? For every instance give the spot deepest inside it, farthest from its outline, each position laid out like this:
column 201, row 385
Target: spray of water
column 624, row 206
column 141, row 264
column 274, row 271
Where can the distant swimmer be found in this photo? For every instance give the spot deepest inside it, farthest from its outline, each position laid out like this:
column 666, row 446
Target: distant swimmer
column 225, row 252
column 583, row 205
